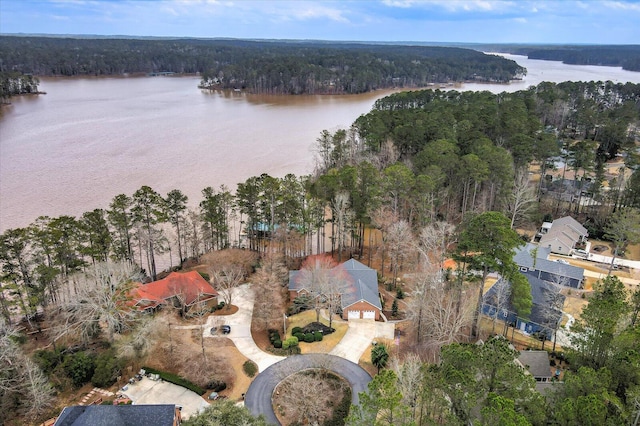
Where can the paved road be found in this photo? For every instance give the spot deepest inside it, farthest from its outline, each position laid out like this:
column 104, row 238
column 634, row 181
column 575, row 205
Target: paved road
column 258, row 397
column 240, row 323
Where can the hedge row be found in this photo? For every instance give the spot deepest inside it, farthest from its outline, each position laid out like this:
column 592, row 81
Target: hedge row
column 176, row 380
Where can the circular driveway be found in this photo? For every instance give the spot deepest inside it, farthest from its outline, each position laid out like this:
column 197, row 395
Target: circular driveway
column 258, row 397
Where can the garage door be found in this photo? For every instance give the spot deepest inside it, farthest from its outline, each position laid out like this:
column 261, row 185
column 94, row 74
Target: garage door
column 369, row 314
column 353, row 315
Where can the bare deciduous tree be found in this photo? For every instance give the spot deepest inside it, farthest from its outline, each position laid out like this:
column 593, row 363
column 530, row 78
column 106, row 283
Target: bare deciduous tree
column 522, row 198
column 23, row 386
column 432, row 245
column 99, row 298
column 325, row 281
column 400, row 242
column 438, row 312
column 268, row 285
column 225, row 279
column 308, row 395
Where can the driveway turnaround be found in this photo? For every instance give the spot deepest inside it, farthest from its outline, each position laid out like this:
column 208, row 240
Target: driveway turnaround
column 148, row 391
column 258, row 397
column 240, row 323
column 359, row 337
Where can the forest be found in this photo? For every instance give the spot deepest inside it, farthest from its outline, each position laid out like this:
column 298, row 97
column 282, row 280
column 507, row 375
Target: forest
column 278, row 67
column 625, row 56
column 15, row 83
column 432, row 172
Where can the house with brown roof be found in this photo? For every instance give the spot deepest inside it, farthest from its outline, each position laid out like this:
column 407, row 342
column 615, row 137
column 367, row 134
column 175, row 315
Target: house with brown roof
column 181, row 290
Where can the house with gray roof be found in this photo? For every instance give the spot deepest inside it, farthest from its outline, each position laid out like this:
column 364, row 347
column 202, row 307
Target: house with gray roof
column 532, row 261
column 563, row 235
column 537, row 364
column 544, row 318
column 119, row 415
column 359, row 296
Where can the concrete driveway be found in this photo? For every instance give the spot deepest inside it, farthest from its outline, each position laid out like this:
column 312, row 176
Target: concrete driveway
column 148, row 391
column 258, row 397
column 240, row 323
column 359, row 337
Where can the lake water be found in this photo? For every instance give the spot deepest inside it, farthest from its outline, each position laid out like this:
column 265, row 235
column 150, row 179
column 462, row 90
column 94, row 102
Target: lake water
column 89, row 139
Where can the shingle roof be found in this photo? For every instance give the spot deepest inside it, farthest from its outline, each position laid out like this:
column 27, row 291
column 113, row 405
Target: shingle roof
column 571, row 223
column 565, row 231
column 362, row 283
column 539, row 290
column 117, row 415
column 189, row 286
column 537, row 362
column 364, row 286
column 524, row 257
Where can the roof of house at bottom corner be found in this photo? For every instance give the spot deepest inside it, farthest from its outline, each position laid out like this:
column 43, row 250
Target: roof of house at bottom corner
column 117, row 415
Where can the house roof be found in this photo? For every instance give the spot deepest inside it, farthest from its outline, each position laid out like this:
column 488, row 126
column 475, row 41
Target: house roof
column 364, row 286
column 537, row 362
column 565, row 231
column 531, row 258
column 539, row 300
column 117, row 415
column 570, row 223
column 189, row 286
column 361, row 285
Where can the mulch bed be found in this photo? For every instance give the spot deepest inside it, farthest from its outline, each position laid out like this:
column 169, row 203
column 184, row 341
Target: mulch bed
column 316, row 326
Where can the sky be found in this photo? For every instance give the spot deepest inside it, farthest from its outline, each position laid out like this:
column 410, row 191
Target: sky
column 465, row 21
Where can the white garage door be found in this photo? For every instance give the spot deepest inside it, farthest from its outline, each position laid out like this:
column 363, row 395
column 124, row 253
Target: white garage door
column 353, row 315
column 369, row 314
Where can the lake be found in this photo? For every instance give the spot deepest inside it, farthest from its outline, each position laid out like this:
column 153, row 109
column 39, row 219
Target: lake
column 89, row 139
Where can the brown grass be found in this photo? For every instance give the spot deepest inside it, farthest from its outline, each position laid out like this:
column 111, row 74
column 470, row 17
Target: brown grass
column 224, row 361
column 327, row 343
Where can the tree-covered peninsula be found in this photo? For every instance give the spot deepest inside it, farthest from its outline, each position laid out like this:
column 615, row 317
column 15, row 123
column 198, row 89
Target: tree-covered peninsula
column 279, row 67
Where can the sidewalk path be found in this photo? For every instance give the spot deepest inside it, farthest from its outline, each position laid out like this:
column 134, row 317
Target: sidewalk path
column 240, row 322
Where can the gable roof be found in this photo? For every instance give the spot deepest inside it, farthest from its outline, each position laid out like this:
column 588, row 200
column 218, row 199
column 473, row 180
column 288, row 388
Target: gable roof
column 565, row 231
column 361, row 285
column 364, row 285
column 524, row 257
column 570, row 223
column 117, row 415
column 189, row 286
column 539, row 300
column 537, row 362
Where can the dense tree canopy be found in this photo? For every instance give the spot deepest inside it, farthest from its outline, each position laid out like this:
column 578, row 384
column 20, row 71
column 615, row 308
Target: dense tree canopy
column 258, row 66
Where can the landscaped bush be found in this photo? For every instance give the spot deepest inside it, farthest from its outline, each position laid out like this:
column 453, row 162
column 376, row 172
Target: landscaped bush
column 250, row 368
column 79, row 367
column 296, row 330
column 107, row 368
column 216, row 385
column 309, row 338
column 176, row 380
column 299, row 336
column 317, row 336
column 274, row 335
column 277, row 344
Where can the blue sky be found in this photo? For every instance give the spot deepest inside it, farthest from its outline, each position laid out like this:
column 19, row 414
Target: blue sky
column 550, row 21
